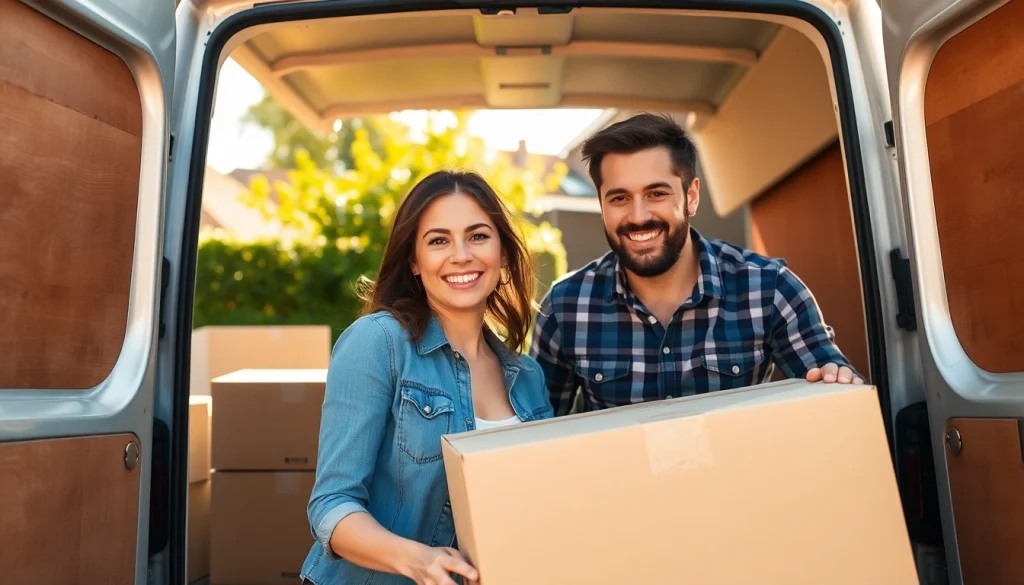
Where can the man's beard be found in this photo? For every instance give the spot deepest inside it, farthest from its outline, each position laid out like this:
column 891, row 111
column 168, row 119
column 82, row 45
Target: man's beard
column 653, row 262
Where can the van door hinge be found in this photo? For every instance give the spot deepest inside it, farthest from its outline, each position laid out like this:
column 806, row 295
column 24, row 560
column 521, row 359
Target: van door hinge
column 165, row 276
column 906, row 315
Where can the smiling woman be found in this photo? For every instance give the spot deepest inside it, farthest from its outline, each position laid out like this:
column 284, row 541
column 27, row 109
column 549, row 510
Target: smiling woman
column 422, row 362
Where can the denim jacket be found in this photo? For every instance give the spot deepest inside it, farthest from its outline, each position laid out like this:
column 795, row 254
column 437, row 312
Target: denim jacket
column 388, row 401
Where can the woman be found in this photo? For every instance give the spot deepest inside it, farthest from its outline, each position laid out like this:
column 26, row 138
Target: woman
column 422, row 362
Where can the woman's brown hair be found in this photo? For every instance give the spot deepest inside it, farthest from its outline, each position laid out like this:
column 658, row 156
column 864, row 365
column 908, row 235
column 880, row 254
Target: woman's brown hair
column 396, row 289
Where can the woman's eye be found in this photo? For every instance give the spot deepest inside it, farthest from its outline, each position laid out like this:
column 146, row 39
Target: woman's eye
column 435, row 242
column 480, row 237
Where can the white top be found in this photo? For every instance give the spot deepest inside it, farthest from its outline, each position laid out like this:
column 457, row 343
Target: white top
column 482, row 424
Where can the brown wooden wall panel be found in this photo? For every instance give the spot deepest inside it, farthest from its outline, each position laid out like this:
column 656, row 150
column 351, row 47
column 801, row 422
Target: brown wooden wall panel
column 70, row 153
column 974, row 110
column 69, row 511
column 806, row 220
column 987, row 484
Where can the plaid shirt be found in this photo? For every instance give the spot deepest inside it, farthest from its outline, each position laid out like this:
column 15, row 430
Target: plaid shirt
column 747, row 314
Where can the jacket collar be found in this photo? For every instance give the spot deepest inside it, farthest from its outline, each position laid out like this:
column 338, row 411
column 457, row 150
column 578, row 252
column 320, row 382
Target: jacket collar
column 434, row 338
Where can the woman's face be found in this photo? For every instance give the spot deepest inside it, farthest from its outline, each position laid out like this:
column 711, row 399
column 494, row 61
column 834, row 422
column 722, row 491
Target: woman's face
column 458, row 254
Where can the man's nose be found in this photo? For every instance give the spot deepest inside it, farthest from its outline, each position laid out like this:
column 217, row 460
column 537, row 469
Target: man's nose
column 640, row 212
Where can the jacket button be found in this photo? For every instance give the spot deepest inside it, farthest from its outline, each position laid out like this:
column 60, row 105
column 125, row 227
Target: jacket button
column 599, row 377
column 426, row 409
column 735, row 369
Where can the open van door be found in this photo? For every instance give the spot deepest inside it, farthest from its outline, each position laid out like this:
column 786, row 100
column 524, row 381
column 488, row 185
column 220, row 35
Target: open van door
column 956, row 78
column 84, row 88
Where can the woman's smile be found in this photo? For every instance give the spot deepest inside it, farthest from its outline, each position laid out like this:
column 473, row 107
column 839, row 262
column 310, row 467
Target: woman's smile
column 463, row 280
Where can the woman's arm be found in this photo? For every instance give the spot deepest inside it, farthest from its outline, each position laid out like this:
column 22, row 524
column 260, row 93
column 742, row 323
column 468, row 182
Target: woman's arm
column 354, row 419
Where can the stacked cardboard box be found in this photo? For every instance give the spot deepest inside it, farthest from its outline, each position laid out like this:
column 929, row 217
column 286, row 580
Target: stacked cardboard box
column 219, row 350
column 788, row 482
column 198, row 549
column 266, row 427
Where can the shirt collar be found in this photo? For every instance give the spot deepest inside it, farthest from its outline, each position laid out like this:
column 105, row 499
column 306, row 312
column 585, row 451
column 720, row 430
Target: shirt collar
column 434, row 338
column 709, row 279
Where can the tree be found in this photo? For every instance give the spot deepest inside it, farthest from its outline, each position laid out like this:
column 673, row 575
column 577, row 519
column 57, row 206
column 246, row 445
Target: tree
column 341, row 223
column 327, row 150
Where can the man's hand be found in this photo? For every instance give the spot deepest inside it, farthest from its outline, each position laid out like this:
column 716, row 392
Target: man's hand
column 833, row 373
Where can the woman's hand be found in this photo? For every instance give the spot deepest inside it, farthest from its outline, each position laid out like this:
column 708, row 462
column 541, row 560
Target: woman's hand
column 434, row 565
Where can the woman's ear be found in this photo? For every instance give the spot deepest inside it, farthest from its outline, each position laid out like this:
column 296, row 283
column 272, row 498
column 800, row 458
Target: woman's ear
column 414, row 267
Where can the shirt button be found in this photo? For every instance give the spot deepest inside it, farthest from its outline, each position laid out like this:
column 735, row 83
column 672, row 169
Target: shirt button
column 599, row 377
column 735, row 369
column 458, row 356
column 426, row 409
column 652, row 319
column 665, row 350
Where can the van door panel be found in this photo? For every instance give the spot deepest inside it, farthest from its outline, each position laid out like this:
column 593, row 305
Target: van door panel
column 84, row 99
column 70, row 510
column 956, row 75
column 71, row 149
column 974, row 112
column 986, row 478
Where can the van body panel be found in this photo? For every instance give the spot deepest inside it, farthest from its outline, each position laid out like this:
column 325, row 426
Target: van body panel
column 92, row 78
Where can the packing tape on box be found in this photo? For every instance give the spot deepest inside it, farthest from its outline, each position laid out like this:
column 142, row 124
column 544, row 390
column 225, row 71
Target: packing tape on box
column 288, row 484
column 677, row 444
column 293, row 392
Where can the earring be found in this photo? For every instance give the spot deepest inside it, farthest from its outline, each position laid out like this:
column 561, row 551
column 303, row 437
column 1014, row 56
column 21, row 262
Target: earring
column 505, row 273
column 416, row 283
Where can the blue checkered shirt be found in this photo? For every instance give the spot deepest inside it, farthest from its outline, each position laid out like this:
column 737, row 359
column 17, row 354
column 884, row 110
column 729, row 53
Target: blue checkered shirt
column 747, row 315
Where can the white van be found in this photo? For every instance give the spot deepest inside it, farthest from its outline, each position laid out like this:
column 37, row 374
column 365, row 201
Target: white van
column 880, row 145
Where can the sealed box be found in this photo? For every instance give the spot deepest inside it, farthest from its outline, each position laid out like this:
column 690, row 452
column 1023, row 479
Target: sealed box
column 259, row 534
column 788, row 483
column 267, row 420
column 218, row 350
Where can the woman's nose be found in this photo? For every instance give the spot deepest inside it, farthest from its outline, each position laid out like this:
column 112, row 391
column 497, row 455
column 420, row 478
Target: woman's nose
column 462, row 253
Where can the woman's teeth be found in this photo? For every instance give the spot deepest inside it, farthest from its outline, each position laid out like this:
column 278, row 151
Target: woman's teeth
column 462, row 278
column 643, row 236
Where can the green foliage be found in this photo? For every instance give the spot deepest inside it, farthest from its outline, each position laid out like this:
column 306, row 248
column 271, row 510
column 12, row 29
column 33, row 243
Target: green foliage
column 327, row 150
column 335, row 226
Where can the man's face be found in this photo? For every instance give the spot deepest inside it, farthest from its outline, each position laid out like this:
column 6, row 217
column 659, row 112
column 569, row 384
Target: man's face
column 646, row 209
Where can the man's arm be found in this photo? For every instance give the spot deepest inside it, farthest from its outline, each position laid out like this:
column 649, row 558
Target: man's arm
column 546, row 348
column 803, row 346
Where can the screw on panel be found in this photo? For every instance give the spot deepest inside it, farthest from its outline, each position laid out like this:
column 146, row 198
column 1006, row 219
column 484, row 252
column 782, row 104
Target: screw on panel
column 954, row 441
column 131, row 455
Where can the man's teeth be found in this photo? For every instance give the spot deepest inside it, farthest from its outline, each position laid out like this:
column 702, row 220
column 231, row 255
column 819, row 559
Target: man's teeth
column 462, row 278
column 643, row 236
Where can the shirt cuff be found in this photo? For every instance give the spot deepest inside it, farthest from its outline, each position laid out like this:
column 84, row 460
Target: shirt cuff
column 330, row 521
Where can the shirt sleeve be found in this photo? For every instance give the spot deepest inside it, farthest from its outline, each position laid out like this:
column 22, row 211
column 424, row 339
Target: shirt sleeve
column 546, row 348
column 357, row 402
column 800, row 339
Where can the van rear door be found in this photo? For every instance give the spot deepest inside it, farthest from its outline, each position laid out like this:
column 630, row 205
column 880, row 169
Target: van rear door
column 956, row 78
column 84, row 88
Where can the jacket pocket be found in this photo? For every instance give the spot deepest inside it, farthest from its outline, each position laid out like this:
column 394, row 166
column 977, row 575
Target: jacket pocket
column 423, row 416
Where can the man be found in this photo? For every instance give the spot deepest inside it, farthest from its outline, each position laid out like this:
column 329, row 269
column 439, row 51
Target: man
column 668, row 313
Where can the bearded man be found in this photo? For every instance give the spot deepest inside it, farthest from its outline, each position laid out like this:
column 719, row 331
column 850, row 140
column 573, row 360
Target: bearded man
column 668, row 313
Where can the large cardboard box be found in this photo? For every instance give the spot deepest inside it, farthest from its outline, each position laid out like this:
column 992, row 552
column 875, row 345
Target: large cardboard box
column 267, row 419
column 259, row 531
column 787, row 483
column 218, row 350
column 198, row 534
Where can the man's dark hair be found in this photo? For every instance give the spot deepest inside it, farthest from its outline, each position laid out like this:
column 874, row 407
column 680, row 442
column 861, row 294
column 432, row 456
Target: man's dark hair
column 642, row 132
